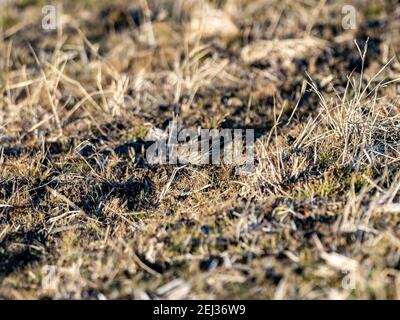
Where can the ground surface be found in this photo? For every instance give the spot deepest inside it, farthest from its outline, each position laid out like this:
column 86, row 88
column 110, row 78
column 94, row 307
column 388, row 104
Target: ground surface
column 82, row 215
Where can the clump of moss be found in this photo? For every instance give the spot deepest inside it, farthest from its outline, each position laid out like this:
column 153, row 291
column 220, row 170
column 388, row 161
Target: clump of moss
column 7, row 20
column 374, row 9
column 358, row 179
column 327, row 157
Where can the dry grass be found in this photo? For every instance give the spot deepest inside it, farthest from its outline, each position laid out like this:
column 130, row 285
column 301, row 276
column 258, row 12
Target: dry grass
column 84, row 216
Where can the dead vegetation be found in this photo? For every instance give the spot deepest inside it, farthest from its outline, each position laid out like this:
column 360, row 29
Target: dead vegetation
column 84, row 216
